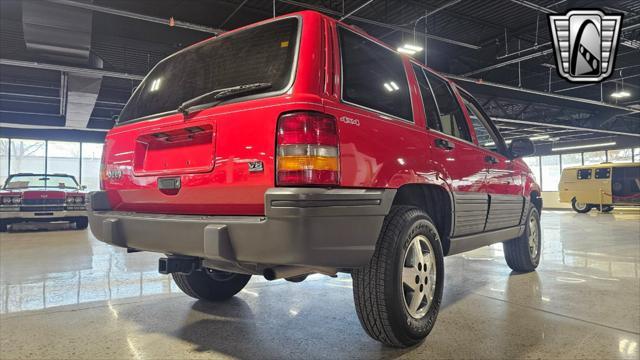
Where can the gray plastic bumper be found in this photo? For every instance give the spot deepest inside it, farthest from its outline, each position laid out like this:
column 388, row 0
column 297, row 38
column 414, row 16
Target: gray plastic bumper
column 302, row 226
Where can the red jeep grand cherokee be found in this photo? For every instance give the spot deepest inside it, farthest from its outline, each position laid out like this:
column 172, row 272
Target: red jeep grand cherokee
column 42, row 198
column 301, row 145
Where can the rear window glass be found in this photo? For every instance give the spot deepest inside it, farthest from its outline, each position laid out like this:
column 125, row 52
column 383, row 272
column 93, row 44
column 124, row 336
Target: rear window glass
column 584, row 174
column 373, row 76
column 262, row 54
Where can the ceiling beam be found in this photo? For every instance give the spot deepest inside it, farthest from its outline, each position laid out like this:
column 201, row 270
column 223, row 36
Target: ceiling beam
column 525, row 122
column 129, row 14
column 73, row 69
column 378, row 23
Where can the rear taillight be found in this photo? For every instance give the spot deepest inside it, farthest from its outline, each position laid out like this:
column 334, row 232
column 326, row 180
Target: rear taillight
column 308, row 151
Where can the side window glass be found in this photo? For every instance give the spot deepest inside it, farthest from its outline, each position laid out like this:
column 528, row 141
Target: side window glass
column 604, row 173
column 373, row 76
column 452, row 121
column 584, row 174
column 484, row 135
column 430, row 107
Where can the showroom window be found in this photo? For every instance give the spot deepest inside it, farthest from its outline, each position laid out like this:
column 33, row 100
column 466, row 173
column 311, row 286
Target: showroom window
column 91, row 155
column 636, row 155
column 569, row 160
column 620, row 155
column 4, row 160
column 534, row 165
column 550, row 166
column 64, row 158
column 27, row 156
column 373, row 76
column 594, row 157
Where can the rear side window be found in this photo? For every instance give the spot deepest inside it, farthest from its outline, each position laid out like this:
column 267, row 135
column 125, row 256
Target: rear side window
column 373, row 76
column 584, row 174
column 452, row 121
column 604, row 173
column 430, row 107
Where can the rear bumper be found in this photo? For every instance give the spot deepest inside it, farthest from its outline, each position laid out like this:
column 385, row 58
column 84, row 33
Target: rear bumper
column 302, row 226
column 41, row 215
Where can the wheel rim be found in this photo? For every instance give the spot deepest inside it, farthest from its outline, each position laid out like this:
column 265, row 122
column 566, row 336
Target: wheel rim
column 418, row 277
column 534, row 238
column 580, row 206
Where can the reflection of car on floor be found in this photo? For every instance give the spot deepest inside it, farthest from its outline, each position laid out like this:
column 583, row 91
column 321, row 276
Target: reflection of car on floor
column 601, row 186
column 301, row 145
column 42, row 198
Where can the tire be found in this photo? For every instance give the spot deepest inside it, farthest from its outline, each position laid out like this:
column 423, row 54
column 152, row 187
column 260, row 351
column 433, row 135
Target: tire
column 607, row 208
column 379, row 290
column 4, row 226
column 579, row 207
column 523, row 253
column 211, row 285
column 82, row 223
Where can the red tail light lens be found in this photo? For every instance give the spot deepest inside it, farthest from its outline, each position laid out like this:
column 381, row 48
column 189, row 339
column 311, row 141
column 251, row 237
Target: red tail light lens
column 308, row 151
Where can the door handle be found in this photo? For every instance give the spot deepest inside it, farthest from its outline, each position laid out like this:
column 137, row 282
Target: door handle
column 444, row 144
column 490, row 159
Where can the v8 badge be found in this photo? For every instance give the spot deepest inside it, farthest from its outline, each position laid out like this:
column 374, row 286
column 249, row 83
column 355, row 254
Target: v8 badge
column 256, row 166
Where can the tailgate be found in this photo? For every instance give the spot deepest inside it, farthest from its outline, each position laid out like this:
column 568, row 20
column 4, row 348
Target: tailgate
column 220, row 163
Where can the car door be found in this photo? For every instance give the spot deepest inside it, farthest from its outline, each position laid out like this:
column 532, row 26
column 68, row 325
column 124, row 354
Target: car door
column 453, row 153
column 503, row 182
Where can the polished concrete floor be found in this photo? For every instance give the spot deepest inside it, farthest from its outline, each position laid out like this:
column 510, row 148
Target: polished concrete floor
column 65, row 295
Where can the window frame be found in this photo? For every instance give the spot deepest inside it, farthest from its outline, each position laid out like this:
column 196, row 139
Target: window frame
column 364, row 107
column 607, row 171
column 590, row 170
column 486, row 121
column 421, row 99
column 455, row 94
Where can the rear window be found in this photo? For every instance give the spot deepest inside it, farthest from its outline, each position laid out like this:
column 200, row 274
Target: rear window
column 261, row 54
column 603, row 173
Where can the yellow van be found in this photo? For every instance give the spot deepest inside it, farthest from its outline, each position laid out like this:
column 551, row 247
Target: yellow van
column 600, row 186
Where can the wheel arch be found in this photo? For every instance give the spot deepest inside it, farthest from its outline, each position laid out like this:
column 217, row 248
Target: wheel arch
column 436, row 201
column 536, row 199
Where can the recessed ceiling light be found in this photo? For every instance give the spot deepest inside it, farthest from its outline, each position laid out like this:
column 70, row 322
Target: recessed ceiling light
column 621, row 94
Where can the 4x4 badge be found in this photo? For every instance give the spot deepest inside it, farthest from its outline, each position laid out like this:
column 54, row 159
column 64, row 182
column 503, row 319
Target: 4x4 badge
column 585, row 43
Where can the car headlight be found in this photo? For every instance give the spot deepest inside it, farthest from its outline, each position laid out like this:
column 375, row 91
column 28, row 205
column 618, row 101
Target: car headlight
column 16, row 200
column 79, row 199
column 6, row 200
column 70, row 200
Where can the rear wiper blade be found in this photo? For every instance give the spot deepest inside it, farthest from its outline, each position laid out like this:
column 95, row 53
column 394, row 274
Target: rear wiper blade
column 220, row 94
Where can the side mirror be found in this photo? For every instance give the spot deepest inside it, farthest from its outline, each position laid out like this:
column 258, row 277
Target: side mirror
column 83, row 187
column 521, row 147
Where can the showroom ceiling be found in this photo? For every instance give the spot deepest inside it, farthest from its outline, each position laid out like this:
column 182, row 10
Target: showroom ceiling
column 505, row 43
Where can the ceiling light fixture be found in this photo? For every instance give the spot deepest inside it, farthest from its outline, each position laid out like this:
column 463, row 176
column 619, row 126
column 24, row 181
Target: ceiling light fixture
column 583, row 146
column 539, row 137
column 404, row 50
column 415, row 48
column 620, row 94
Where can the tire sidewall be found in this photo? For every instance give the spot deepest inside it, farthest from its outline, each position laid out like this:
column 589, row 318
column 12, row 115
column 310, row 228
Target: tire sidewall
column 533, row 212
column 586, row 209
column 416, row 329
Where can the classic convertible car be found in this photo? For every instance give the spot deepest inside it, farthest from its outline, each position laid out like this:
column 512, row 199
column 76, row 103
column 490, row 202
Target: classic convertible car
column 42, row 198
